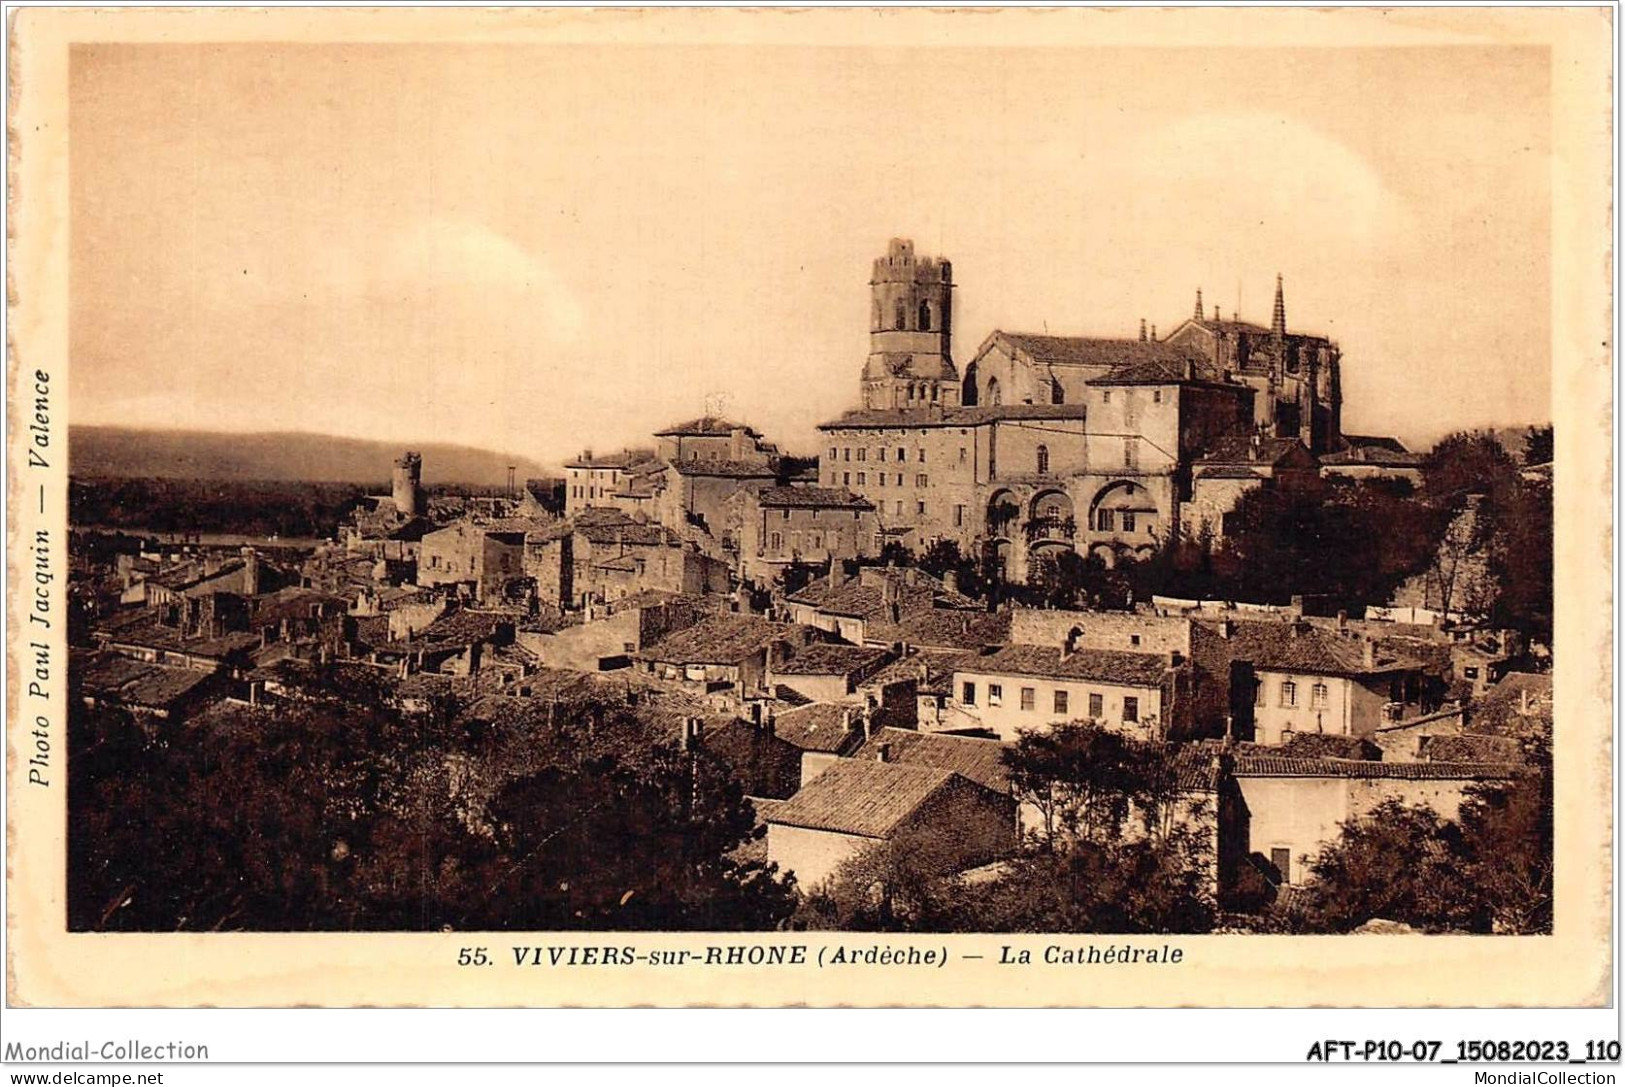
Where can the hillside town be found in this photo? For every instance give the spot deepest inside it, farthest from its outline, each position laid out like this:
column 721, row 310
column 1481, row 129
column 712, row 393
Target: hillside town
column 1026, row 638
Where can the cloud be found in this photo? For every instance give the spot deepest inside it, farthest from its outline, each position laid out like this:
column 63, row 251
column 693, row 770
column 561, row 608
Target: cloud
column 1254, row 183
column 462, row 267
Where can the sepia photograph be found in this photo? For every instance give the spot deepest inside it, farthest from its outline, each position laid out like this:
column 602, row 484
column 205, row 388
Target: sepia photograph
column 1099, row 492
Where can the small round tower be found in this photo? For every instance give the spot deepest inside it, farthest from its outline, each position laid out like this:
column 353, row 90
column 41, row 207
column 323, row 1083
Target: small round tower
column 407, row 482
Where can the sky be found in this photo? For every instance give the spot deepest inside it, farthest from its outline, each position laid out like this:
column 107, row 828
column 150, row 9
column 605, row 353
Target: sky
column 539, row 249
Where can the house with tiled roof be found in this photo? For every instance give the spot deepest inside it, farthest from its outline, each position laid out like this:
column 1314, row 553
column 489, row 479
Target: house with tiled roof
column 825, row 671
column 870, row 606
column 1274, row 679
column 1520, row 706
column 1020, row 688
column 1373, row 458
column 728, row 651
column 945, row 820
column 162, row 692
column 1236, row 464
column 1294, row 807
column 775, row 528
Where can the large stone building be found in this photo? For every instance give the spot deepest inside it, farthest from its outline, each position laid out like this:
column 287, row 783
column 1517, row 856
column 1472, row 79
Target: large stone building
column 1051, row 443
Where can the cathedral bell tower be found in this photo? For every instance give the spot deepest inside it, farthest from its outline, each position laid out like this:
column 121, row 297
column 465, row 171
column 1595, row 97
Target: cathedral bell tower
column 910, row 328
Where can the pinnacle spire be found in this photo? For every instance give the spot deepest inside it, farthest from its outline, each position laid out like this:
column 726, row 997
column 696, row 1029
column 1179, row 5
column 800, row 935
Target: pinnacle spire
column 1278, row 321
column 1198, row 303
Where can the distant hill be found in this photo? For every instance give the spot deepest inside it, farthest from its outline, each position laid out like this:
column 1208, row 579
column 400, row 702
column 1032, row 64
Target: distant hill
column 129, row 453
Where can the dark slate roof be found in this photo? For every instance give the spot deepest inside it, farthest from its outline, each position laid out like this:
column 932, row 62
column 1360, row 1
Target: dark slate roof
column 625, row 458
column 812, row 498
column 867, row 798
column 461, row 628
column 1371, row 441
column 943, row 628
column 1265, row 766
column 938, row 667
column 820, row 726
column 1240, row 449
column 1519, row 705
column 294, row 604
column 1100, row 665
column 755, row 468
column 718, row 639
column 630, row 534
column 864, row 596
column 1375, row 455
column 911, row 418
column 1471, row 747
column 828, row 659
column 1167, row 372
column 138, row 684
column 706, row 426
column 1274, row 646
column 154, row 635
column 982, row 761
column 1095, row 351
column 1227, row 472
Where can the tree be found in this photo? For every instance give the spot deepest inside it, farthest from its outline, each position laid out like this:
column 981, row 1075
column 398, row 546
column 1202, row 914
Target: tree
column 1521, row 560
column 1464, row 463
column 1114, row 886
column 629, row 845
column 1538, row 447
column 904, row 884
column 1489, row 870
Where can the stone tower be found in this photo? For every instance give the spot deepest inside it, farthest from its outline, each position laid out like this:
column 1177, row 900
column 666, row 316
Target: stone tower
column 406, row 481
column 910, row 332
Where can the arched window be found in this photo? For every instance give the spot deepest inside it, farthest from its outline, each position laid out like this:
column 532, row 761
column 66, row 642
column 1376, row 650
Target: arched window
column 1043, row 460
column 925, row 317
column 993, row 394
column 1057, row 395
column 902, row 315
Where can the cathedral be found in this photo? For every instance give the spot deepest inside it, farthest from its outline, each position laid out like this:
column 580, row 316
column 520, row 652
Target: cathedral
column 1106, row 446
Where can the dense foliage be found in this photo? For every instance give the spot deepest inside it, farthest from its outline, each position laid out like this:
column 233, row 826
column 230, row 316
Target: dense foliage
column 340, row 813
column 260, row 508
column 1116, row 846
column 1487, row 870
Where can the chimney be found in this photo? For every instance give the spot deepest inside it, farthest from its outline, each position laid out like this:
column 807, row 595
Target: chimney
column 692, row 730
column 756, row 713
column 1216, row 313
column 883, row 752
column 950, row 580
column 251, row 572
column 586, row 455
column 848, row 723
column 1253, row 447
column 738, row 444
column 1175, row 658
column 1523, row 702
column 1368, row 652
